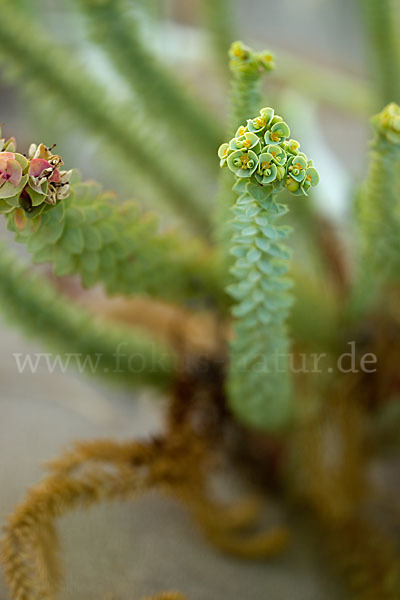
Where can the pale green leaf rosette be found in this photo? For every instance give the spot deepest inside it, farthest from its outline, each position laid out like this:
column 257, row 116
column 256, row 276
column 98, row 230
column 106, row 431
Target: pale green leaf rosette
column 258, row 124
column 291, row 146
column 223, row 154
column 241, row 131
column 243, row 164
column 267, row 169
column 297, row 167
column 279, row 155
column 277, row 134
column 248, row 141
column 311, row 179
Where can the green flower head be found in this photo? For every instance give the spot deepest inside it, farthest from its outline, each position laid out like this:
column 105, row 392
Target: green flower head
column 292, row 146
column 277, row 134
column 242, row 58
column 241, row 130
column 278, row 154
column 266, row 59
column 248, row 141
column 258, row 124
column 387, row 123
column 278, row 164
column 223, row 151
column 243, row 164
column 311, row 179
column 267, row 169
column 297, row 167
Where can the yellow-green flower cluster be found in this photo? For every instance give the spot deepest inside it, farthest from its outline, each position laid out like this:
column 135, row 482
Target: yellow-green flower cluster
column 263, row 152
column 244, row 59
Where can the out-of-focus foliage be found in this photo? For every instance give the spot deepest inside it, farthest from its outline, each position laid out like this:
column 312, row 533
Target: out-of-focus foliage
column 320, row 425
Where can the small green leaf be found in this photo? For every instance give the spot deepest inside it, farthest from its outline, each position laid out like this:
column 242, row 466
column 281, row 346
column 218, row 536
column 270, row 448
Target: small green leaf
column 64, row 263
column 250, row 231
column 253, row 255
column 243, row 308
column 92, row 237
column 90, row 261
column 72, row 240
column 262, row 243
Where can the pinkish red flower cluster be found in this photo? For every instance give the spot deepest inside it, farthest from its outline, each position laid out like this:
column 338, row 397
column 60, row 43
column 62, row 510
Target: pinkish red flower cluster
column 30, row 183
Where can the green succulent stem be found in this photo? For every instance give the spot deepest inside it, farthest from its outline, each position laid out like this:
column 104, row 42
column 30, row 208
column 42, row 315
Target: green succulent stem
column 122, row 354
column 218, row 18
column 259, row 384
column 247, row 70
column 378, row 204
column 377, row 212
column 382, row 29
column 105, row 241
column 44, row 69
column 265, row 162
column 114, row 26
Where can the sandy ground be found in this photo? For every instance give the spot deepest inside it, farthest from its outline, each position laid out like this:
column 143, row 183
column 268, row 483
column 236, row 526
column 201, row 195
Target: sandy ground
column 124, row 550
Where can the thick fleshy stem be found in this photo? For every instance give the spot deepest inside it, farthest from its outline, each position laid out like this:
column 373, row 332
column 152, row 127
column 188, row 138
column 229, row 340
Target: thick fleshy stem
column 381, row 24
column 219, row 20
column 378, row 211
column 34, row 305
column 264, row 162
column 247, row 68
column 259, row 383
column 114, row 26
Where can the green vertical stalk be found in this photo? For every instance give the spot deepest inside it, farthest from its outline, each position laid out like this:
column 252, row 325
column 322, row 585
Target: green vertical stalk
column 378, row 212
column 259, row 384
column 124, row 355
column 115, row 28
column 247, row 68
column 379, row 201
column 219, row 20
column 264, row 162
column 382, row 29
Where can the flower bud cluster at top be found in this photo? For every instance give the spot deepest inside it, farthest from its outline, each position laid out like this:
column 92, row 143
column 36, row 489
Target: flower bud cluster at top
column 244, row 60
column 262, row 152
column 31, row 182
column 387, row 123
